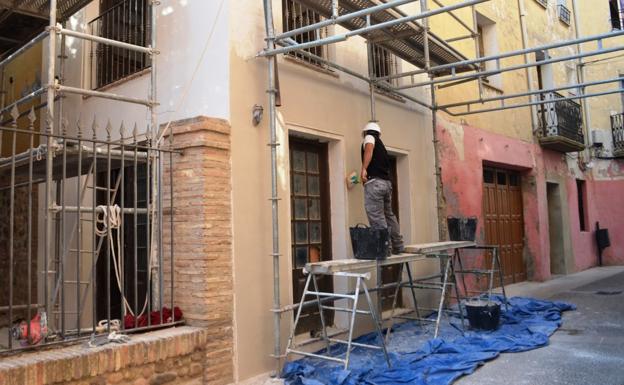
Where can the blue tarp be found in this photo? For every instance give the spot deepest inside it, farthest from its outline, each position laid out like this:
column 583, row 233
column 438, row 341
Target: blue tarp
column 418, row 360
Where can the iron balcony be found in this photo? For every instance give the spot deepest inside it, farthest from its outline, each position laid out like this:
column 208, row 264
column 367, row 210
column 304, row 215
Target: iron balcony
column 560, row 124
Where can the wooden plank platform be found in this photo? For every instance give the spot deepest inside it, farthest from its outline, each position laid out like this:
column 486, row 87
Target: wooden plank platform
column 412, row 253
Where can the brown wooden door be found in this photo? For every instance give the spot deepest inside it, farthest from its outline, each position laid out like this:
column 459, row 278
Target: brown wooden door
column 504, row 222
column 311, row 236
column 390, row 274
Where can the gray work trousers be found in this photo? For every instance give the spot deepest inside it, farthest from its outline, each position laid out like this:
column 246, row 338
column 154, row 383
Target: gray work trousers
column 378, row 204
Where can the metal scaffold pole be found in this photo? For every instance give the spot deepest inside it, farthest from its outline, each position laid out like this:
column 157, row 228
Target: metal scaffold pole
column 50, row 120
column 268, row 13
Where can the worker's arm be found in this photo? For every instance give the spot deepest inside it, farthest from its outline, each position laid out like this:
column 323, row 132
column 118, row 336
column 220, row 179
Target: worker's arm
column 368, row 155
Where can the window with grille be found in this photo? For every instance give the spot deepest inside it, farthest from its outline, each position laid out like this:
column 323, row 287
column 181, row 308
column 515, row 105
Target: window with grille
column 385, row 63
column 126, row 21
column 295, row 15
column 616, row 9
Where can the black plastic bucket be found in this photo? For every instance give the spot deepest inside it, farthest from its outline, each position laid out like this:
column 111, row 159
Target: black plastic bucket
column 483, row 315
column 369, row 243
column 462, row 229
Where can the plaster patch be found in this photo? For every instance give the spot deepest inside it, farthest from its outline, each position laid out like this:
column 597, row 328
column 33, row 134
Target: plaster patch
column 456, row 132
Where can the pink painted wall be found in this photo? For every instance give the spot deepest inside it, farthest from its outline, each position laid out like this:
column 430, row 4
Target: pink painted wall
column 609, row 211
column 464, row 150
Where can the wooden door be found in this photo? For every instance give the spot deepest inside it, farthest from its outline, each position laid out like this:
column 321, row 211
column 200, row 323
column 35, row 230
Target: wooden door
column 504, row 222
column 310, row 222
column 390, row 274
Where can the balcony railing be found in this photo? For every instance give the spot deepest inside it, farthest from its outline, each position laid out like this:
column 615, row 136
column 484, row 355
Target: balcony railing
column 617, row 129
column 127, row 22
column 561, row 123
column 564, row 14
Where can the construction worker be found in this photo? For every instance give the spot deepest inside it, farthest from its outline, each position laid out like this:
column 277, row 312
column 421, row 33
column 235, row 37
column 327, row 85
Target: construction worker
column 375, row 176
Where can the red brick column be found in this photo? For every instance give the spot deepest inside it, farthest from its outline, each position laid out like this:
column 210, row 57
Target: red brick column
column 202, row 240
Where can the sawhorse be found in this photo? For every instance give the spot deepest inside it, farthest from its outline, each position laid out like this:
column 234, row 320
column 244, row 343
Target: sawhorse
column 446, row 278
column 494, row 268
column 360, row 284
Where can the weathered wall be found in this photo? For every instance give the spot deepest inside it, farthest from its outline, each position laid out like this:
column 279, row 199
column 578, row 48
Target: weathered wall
column 464, row 151
column 610, row 215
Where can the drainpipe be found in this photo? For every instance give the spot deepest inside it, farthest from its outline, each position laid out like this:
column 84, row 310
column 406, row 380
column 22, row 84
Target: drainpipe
column 529, row 74
column 580, row 73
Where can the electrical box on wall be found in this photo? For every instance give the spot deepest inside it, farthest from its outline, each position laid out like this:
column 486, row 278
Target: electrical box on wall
column 598, row 138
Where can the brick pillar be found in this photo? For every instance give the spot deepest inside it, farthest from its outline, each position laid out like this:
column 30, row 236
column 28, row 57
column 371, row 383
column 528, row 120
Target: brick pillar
column 202, row 239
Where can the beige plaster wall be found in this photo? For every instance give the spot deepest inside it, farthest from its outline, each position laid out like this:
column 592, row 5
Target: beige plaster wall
column 596, row 21
column 332, row 107
column 543, row 27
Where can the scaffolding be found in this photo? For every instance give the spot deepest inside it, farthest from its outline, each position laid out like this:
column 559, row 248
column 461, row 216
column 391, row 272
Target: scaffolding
column 408, row 36
column 61, row 156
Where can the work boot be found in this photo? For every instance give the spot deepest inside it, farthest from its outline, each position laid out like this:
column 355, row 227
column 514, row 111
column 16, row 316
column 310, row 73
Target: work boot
column 398, row 250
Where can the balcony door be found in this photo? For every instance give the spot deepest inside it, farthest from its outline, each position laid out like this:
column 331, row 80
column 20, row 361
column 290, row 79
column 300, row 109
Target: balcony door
column 310, row 222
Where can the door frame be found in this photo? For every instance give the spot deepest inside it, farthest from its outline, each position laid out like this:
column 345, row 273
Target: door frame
column 306, row 323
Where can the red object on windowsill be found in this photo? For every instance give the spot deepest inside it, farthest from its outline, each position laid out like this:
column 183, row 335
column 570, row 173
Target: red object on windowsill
column 167, row 316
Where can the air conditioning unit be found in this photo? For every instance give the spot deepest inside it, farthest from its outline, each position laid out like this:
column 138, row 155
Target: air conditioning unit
column 598, row 138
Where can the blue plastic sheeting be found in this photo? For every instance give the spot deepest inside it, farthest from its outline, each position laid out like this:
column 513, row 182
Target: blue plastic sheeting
column 419, row 360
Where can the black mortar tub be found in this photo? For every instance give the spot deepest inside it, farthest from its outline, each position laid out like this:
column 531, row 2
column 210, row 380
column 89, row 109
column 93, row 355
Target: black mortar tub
column 482, row 314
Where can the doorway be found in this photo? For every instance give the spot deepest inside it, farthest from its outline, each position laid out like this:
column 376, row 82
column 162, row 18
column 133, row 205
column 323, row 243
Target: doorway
column 504, row 220
column 555, row 229
column 310, row 222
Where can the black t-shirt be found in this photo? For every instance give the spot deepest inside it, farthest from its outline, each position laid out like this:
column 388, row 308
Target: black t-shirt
column 379, row 166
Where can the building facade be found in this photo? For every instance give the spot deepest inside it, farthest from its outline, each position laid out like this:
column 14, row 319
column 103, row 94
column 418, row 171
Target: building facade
column 538, row 178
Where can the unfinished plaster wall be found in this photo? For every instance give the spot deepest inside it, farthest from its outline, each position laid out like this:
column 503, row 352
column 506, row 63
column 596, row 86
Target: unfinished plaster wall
column 328, row 106
column 193, row 69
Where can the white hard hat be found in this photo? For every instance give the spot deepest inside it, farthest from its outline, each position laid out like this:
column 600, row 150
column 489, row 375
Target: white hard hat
column 372, row 126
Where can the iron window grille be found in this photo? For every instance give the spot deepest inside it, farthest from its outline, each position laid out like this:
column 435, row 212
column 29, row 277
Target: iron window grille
column 543, row 3
column 564, row 14
column 616, row 14
column 617, row 131
column 125, row 21
column 385, row 63
column 109, row 253
column 296, row 15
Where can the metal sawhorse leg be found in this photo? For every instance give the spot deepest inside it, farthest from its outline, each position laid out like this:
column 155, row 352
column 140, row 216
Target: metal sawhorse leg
column 494, row 268
column 447, row 279
column 360, row 285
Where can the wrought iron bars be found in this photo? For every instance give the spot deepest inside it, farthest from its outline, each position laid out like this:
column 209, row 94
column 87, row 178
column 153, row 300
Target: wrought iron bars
column 128, row 22
column 617, row 131
column 86, row 231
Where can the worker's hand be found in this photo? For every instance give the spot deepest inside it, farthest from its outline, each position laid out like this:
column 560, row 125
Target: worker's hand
column 364, row 176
